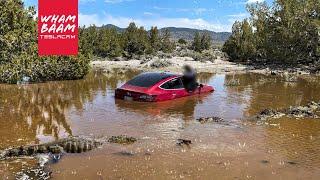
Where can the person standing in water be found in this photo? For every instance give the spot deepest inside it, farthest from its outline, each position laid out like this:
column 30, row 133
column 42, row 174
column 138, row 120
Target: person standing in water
column 189, row 78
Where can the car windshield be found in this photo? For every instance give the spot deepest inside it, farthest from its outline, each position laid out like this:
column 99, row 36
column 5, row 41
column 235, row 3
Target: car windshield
column 148, row 79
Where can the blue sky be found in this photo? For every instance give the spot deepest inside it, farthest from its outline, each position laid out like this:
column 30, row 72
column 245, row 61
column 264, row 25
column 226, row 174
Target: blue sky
column 216, row 15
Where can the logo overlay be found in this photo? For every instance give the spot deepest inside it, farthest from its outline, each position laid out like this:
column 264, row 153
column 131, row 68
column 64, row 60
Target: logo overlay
column 58, row 27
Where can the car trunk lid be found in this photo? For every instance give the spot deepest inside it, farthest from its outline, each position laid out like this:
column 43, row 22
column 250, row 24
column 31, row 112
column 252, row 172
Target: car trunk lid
column 134, row 93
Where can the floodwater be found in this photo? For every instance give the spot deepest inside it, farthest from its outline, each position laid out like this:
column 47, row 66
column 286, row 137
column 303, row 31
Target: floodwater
column 237, row 149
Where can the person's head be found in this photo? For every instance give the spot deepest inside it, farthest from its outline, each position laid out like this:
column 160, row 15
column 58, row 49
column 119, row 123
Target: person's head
column 187, row 68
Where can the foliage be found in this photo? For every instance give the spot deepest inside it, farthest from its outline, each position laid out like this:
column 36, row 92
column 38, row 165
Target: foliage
column 109, row 45
column 287, row 32
column 132, row 42
column 154, row 39
column 135, row 40
column 18, row 50
column 160, row 63
column 167, row 45
column 201, row 42
column 182, row 41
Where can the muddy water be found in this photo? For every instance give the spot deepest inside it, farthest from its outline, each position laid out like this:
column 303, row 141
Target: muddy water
column 236, row 149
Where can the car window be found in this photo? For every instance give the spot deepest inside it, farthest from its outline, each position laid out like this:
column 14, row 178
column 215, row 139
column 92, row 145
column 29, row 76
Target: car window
column 148, row 79
column 173, row 84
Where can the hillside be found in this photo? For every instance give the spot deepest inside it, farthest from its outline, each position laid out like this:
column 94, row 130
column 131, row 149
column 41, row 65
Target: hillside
column 185, row 33
column 188, row 34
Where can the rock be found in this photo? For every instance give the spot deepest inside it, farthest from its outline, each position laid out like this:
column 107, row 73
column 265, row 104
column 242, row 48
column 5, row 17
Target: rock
column 42, row 149
column 24, row 80
column 13, row 152
column 182, row 142
column 307, row 111
column 314, row 105
column 203, row 120
column 264, row 161
column 33, row 173
column 269, row 113
column 292, row 162
column 32, row 150
column 301, row 112
column 43, row 159
column 55, row 149
column 122, row 139
column 119, row 59
column 290, row 77
column 124, row 153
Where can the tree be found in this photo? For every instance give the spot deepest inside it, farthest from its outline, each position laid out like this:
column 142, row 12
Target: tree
column 247, row 47
column 287, row 32
column 17, row 30
column 135, row 40
column 88, row 38
column 232, row 45
column 154, row 39
column 167, row 45
column 108, row 44
column 201, row 42
column 196, row 44
column 206, row 41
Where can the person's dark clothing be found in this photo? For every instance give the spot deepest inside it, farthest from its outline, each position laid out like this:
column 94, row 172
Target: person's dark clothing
column 190, row 81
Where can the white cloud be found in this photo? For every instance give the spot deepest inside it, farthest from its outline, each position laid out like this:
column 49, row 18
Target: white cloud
column 148, row 13
column 254, row 1
column 117, row 1
column 237, row 17
column 196, row 11
column 86, row 1
column 199, row 23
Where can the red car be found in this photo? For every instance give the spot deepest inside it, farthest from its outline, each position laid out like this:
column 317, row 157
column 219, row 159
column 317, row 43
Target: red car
column 155, row 87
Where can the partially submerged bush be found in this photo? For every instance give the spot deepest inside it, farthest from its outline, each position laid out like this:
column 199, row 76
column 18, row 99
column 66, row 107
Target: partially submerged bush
column 160, row 63
column 232, row 82
column 122, row 139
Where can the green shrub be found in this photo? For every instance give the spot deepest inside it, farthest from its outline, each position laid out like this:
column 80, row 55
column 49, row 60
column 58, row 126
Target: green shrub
column 19, row 53
column 45, row 69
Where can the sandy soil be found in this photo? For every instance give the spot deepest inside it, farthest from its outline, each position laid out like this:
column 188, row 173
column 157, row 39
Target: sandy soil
column 218, row 66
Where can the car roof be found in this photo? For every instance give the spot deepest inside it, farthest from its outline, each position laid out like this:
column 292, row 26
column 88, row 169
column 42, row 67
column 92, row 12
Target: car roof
column 162, row 75
column 150, row 78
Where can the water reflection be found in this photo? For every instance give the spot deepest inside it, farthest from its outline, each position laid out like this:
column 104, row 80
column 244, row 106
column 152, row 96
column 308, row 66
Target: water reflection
column 38, row 112
column 183, row 107
column 287, row 139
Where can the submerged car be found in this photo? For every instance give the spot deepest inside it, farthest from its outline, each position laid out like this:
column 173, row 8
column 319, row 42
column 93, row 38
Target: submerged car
column 155, row 87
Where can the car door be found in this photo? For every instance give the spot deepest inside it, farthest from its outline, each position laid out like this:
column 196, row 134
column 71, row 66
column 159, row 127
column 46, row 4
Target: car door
column 173, row 88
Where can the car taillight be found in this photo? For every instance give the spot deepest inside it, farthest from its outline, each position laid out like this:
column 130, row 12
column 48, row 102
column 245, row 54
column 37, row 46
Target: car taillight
column 148, row 98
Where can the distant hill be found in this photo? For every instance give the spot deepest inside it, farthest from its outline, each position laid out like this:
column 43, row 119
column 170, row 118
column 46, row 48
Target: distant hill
column 119, row 29
column 188, row 34
column 184, row 33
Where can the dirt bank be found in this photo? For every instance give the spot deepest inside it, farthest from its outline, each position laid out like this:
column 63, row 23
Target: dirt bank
column 219, row 65
column 173, row 64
